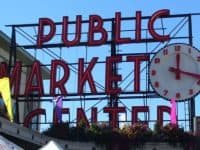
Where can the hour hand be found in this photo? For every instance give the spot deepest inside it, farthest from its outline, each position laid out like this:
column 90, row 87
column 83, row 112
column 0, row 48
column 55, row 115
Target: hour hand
column 176, row 70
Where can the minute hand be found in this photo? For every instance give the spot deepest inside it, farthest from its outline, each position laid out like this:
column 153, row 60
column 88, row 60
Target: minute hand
column 175, row 70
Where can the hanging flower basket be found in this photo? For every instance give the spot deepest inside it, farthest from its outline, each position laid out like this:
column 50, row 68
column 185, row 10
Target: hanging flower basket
column 135, row 136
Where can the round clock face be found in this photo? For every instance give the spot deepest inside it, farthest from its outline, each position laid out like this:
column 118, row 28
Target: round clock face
column 175, row 72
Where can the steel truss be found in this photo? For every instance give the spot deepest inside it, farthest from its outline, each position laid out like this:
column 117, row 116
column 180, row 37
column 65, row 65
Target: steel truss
column 113, row 100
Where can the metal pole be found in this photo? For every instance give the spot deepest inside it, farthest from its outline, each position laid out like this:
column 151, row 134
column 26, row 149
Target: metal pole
column 12, row 61
column 113, row 101
column 192, row 100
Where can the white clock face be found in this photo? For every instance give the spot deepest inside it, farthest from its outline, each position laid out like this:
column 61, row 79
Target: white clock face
column 175, row 72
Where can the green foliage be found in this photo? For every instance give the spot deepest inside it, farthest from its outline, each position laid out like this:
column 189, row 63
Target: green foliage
column 136, row 134
column 173, row 134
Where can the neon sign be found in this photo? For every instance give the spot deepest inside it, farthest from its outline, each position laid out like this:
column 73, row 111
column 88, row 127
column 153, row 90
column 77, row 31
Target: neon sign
column 96, row 26
column 114, row 111
column 47, row 30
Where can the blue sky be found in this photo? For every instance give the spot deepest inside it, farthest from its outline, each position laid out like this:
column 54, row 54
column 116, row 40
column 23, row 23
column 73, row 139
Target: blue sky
column 24, row 12
column 21, row 11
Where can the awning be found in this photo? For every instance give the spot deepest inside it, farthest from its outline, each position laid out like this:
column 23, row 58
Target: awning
column 51, row 145
column 5, row 144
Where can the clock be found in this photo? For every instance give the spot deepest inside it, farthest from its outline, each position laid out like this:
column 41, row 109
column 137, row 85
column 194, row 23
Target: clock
column 174, row 72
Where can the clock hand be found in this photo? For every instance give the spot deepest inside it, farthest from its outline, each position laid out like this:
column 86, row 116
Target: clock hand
column 178, row 66
column 175, row 70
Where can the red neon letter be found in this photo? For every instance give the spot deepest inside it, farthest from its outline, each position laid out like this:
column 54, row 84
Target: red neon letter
column 155, row 35
column 136, row 110
column 110, row 76
column 32, row 114
column 86, row 76
column 61, row 83
column 160, row 111
column 41, row 35
column 114, row 114
column 35, row 84
column 16, row 77
column 98, row 28
column 118, row 38
column 138, row 26
column 65, row 32
column 137, row 60
column 3, row 69
column 82, row 117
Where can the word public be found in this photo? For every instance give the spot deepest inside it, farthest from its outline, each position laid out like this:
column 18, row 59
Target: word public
column 96, row 26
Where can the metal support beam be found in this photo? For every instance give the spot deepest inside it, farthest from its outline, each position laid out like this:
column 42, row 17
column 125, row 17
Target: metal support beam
column 192, row 100
column 12, row 61
column 113, row 100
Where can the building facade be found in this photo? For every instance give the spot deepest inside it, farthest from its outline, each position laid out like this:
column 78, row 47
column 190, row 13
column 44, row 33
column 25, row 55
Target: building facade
column 21, row 105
